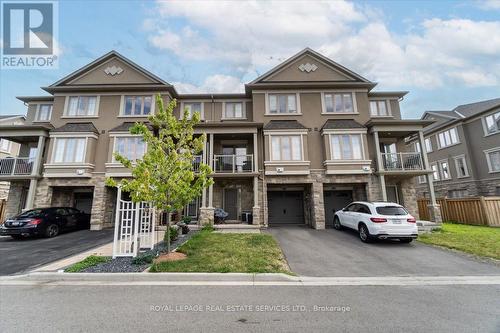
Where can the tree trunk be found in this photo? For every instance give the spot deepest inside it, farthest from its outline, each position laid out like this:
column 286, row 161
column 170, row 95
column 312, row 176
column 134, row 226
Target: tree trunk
column 168, row 232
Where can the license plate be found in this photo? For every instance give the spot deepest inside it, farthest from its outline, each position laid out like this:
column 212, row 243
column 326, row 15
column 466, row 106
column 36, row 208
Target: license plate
column 397, row 221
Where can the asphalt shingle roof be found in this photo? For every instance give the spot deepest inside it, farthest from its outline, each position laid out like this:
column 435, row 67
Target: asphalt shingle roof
column 468, row 110
column 77, row 127
column 283, row 124
column 341, row 124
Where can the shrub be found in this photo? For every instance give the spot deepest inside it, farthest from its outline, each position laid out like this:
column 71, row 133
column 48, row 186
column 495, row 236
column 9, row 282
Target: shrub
column 143, row 258
column 186, row 219
column 208, row 228
column 174, row 232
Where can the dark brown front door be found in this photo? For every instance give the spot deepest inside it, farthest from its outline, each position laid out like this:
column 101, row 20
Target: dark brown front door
column 231, row 203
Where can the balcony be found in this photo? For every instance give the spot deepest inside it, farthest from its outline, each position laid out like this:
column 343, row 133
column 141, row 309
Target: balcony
column 19, row 166
column 236, row 164
column 402, row 161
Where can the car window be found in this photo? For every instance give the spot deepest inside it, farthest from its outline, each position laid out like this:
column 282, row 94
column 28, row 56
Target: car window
column 73, row 211
column 352, row 208
column 391, row 210
column 61, row 211
column 32, row 213
column 363, row 209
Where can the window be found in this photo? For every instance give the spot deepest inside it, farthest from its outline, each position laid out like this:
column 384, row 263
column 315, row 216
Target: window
column 338, row 103
column 44, row 112
column 461, row 166
column 445, row 171
column 417, row 147
column 283, row 103
column 448, row 138
column 391, row 210
column 233, row 110
column 286, row 148
column 493, row 158
column 379, row 108
column 428, row 145
column 346, row 147
column 461, row 193
column 191, row 108
column 82, row 106
column 5, row 145
column 363, row 209
column 137, row 105
column 435, row 172
column 132, row 148
column 69, row 150
column 493, row 123
column 422, row 179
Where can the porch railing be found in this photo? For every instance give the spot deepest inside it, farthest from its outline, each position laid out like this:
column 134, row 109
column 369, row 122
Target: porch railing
column 233, row 163
column 197, row 159
column 402, row 161
column 14, row 166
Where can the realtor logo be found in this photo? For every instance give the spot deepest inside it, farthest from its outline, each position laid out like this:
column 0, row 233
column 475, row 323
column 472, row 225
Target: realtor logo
column 28, row 33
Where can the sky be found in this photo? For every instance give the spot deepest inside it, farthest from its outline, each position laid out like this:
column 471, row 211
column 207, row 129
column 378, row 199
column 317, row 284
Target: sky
column 445, row 53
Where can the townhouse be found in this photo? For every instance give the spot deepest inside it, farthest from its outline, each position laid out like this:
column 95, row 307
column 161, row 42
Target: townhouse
column 8, row 150
column 302, row 141
column 463, row 146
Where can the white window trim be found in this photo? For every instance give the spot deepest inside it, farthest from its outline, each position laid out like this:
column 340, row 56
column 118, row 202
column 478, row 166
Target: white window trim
column 9, row 146
column 124, row 135
column 297, row 103
column 453, row 144
column 459, row 157
column 487, row 152
column 363, row 155
column 66, row 105
column 387, row 105
column 424, row 177
column 67, row 136
column 323, row 103
column 485, row 127
column 440, row 169
column 243, row 110
column 431, row 146
column 202, row 110
column 37, row 112
column 122, row 107
column 437, row 170
column 270, row 134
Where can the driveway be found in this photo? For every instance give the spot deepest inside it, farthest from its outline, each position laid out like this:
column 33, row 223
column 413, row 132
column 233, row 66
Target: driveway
column 330, row 252
column 18, row 256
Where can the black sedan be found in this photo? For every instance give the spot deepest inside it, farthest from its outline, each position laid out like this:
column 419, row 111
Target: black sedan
column 47, row 222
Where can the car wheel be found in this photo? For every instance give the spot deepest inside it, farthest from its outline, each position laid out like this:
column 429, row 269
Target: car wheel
column 364, row 234
column 406, row 240
column 17, row 237
column 336, row 223
column 52, row 231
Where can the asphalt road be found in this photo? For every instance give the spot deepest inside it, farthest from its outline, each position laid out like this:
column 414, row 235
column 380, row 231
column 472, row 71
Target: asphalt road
column 330, row 252
column 17, row 256
column 95, row 308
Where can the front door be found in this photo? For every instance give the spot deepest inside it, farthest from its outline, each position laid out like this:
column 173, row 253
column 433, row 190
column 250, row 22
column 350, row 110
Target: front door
column 231, row 203
column 334, row 201
column 285, row 207
column 392, row 193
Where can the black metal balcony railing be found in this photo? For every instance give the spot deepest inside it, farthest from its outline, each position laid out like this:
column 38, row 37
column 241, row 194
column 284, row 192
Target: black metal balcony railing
column 233, row 163
column 16, row 166
column 402, row 161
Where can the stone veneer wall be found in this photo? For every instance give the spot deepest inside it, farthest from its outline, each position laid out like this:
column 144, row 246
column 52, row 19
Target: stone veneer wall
column 15, row 196
column 4, row 190
column 409, row 192
column 475, row 188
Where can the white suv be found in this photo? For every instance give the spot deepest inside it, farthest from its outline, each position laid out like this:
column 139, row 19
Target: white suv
column 380, row 220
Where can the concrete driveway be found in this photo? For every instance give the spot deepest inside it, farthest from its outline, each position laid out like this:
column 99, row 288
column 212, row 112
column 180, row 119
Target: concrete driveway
column 330, row 252
column 18, row 256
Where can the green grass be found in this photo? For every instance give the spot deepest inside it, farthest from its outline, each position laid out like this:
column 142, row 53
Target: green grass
column 85, row 263
column 213, row 252
column 477, row 240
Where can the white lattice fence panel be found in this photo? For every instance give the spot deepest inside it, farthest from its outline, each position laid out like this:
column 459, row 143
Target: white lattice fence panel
column 146, row 225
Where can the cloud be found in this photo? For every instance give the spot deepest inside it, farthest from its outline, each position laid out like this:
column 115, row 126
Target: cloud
column 217, row 83
column 489, row 4
column 250, row 37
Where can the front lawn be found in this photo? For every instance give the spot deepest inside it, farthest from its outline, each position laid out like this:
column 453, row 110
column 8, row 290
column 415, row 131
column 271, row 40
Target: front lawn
column 215, row 252
column 478, row 240
column 86, row 263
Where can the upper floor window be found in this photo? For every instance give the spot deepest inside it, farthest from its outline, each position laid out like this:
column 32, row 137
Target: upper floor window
column 191, row 108
column 379, row 109
column 338, row 103
column 346, row 147
column 461, row 166
column 5, row 145
column 422, row 179
column 82, row 106
column 137, row 106
column 132, row 147
column 282, row 103
column 445, row 171
column 69, row 150
column 233, row 110
column 435, row 171
column 417, row 147
column 448, row 138
column 493, row 159
column 428, row 145
column 493, row 123
column 44, row 112
column 286, row 148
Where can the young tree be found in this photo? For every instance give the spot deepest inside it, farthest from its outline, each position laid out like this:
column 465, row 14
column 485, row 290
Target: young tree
column 165, row 176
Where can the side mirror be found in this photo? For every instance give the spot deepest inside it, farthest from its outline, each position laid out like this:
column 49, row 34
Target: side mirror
column 344, row 209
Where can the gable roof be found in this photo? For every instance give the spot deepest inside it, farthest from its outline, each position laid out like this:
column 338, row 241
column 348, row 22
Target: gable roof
column 341, row 124
column 77, row 127
column 284, row 124
column 472, row 109
column 314, row 54
column 101, row 60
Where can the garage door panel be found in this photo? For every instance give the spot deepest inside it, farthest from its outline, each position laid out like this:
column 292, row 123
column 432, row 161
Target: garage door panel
column 285, row 207
column 334, row 201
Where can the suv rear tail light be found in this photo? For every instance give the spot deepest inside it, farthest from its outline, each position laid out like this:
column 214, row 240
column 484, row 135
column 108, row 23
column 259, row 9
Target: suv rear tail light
column 378, row 219
column 35, row 222
column 412, row 220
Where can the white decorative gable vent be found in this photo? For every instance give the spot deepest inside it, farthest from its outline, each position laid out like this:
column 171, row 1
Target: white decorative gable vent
column 113, row 70
column 308, row 67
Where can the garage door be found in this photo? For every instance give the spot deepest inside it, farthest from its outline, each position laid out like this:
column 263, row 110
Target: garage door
column 285, row 207
column 335, row 200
